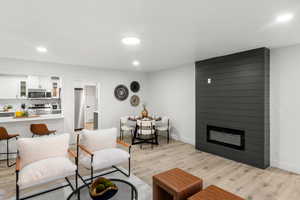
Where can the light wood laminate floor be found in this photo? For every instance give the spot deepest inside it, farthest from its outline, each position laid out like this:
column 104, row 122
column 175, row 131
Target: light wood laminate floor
column 246, row 181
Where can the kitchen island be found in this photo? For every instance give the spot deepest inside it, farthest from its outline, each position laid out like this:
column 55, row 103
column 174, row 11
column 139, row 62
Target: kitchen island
column 21, row 126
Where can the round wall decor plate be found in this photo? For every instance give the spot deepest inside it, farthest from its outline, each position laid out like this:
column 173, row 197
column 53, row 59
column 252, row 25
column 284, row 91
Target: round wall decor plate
column 135, row 86
column 135, row 100
column 121, row 92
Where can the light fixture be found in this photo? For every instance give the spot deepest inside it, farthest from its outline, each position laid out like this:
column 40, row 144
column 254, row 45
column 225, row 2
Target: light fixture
column 136, row 63
column 284, row 18
column 41, row 49
column 209, row 81
column 131, row 41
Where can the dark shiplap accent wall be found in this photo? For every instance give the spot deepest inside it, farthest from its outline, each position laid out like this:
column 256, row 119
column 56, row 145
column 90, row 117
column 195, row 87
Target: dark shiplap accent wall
column 237, row 98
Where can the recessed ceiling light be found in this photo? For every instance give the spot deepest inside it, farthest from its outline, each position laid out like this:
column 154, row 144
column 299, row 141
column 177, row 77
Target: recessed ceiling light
column 131, row 41
column 41, row 49
column 136, row 63
column 284, row 18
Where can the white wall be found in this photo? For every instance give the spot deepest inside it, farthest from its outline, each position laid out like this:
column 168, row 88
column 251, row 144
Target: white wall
column 172, row 93
column 285, row 108
column 111, row 109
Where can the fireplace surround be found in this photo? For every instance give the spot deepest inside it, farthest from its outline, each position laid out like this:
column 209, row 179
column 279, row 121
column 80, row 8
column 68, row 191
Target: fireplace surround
column 232, row 107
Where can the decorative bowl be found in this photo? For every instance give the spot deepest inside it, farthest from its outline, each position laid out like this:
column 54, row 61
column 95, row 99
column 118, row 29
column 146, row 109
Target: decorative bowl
column 102, row 189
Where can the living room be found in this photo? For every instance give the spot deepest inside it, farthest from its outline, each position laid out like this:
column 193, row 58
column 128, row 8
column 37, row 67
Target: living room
column 179, row 85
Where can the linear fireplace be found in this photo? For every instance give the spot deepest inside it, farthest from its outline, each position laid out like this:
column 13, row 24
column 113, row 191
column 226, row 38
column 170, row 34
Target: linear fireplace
column 231, row 138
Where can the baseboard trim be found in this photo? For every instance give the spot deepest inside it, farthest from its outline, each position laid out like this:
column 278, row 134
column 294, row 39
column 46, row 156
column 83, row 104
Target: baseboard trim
column 183, row 139
column 286, row 166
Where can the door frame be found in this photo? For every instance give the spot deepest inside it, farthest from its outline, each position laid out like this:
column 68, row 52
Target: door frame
column 81, row 83
column 86, row 119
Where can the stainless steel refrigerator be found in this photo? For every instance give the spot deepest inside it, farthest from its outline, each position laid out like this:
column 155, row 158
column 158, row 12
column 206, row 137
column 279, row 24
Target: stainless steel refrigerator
column 79, row 108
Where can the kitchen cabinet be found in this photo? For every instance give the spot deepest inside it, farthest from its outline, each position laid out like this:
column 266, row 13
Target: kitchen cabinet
column 33, row 82
column 45, row 83
column 10, row 86
column 39, row 82
column 16, row 86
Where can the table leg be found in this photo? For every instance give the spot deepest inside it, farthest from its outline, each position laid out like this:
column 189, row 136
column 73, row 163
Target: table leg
column 160, row 194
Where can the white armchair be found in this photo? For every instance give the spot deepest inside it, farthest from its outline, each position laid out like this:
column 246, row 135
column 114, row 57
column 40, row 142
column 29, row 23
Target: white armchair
column 42, row 160
column 97, row 150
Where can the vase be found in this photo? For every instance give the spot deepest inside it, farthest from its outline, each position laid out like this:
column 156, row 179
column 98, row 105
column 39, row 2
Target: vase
column 144, row 112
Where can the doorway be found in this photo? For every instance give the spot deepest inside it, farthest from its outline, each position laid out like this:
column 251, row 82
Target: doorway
column 86, row 103
column 90, row 92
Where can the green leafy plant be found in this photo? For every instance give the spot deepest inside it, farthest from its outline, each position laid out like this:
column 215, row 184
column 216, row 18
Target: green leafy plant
column 103, row 184
column 100, row 188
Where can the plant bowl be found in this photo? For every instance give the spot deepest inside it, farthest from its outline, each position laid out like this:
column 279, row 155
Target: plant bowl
column 102, row 189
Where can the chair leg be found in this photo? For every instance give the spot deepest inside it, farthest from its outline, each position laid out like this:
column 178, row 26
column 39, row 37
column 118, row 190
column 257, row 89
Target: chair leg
column 129, row 166
column 76, row 162
column 17, row 186
column 129, row 162
column 133, row 138
column 156, row 138
column 168, row 136
column 7, row 153
column 92, row 169
column 92, row 174
column 76, row 179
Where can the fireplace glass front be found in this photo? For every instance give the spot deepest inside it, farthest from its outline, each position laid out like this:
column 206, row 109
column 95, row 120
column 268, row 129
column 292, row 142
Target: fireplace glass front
column 227, row 137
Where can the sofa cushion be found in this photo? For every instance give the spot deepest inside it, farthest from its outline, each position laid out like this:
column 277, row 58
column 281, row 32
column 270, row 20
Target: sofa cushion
column 35, row 149
column 99, row 139
column 45, row 170
column 105, row 158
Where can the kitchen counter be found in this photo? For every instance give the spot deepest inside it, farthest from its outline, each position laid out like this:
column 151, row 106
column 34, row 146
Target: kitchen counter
column 41, row 117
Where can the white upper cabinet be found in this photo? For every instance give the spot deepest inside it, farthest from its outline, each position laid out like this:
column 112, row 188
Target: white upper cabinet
column 45, row 83
column 39, row 82
column 10, row 86
column 15, row 87
column 33, row 82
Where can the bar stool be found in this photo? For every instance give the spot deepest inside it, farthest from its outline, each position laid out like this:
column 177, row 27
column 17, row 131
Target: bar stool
column 40, row 130
column 5, row 136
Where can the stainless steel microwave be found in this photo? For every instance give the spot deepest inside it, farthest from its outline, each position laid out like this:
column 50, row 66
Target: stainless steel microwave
column 39, row 94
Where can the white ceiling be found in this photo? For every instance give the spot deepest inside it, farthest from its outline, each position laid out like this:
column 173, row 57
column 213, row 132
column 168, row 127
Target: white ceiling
column 172, row 32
